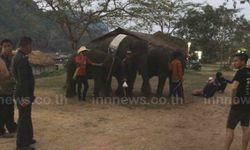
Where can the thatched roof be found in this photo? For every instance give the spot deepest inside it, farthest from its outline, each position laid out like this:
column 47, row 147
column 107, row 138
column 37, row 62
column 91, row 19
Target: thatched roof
column 40, row 58
column 168, row 42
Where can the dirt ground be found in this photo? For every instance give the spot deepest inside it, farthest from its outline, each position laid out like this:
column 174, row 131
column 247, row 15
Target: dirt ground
column 195, row 125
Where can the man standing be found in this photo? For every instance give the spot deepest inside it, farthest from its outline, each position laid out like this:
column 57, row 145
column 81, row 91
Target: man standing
column 24, row 95
column 6, row 93
column 176, row 76
column 240, row 109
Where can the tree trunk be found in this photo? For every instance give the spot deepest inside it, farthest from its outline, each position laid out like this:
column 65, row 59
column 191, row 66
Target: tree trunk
column 221, row 56
column 71, row 67
column 74, row 45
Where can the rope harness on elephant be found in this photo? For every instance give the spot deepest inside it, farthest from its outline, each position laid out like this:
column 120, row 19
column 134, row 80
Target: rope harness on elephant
column 113, row 47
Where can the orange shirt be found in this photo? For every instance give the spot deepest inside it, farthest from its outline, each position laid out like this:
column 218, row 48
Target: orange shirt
column 177, row 70
column 82, row 61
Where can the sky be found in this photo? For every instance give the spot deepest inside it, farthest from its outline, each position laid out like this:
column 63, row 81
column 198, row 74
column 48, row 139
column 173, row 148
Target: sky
column 245, row 7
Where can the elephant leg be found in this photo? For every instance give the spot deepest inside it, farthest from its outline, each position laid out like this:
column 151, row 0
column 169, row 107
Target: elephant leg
column 131, row 81
column 119, row 90
column 143, row 69
column 70, row 88
column 146, row 89
column 161, row 83
column 170, row 87
column 97, row 87
column 108, row 87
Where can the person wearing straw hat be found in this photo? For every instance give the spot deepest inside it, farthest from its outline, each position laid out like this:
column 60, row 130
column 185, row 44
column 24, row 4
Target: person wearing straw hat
column 80, row 75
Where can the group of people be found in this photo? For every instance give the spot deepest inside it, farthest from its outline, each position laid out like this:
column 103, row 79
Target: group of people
column 82, row 60
column 240, row 92
column 16, row 83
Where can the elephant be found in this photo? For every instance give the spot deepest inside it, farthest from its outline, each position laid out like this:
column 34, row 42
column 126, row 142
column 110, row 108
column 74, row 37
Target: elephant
column 159, row 59
column 98, row 74
column 137, row 63
column 150, row 57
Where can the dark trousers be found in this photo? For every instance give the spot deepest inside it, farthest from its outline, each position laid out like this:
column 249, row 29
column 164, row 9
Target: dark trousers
column 7, row 114
column 177, row 89
column 25, row 127
column 82, row 80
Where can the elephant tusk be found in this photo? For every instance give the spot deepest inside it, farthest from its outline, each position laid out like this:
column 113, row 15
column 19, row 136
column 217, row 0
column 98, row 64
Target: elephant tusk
column 125, row 85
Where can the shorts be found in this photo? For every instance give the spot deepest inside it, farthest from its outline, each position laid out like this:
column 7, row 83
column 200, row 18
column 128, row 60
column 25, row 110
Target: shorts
column 236, row 116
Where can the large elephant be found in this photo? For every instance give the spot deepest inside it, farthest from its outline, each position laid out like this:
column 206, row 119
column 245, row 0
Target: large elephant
column 159, row 59
column 150, row 57
column 128, row 69
column 99, row 74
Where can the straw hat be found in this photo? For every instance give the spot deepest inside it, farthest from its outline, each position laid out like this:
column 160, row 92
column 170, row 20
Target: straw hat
column 82, row 49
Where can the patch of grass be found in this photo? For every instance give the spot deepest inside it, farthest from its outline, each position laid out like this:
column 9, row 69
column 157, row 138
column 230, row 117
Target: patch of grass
column 54, row 83
column 52, row 73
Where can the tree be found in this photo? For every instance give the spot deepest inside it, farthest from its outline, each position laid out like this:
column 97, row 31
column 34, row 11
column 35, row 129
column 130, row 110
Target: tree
column 76, row 16
column 209, row 25
column 226, row 28
column 236, row 1
column 148, row 15
column 242, row 34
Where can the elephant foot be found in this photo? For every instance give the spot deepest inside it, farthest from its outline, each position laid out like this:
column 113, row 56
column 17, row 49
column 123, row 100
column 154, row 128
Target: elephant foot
column 146, row 91
column 124, row 93
column 119, row 92
column 159, row 95
column 107, row 94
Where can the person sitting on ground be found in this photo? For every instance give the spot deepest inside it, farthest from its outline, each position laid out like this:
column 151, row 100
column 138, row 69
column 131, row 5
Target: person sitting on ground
column 209, row 89
column 80, row 75
column 212, row 86
column 221, row 82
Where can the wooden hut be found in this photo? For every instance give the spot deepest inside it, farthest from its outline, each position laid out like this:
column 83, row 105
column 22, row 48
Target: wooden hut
column 41, row 62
